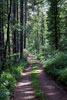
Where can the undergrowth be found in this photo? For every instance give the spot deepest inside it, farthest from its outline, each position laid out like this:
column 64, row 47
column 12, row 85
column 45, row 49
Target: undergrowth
column 34, row 77
column 9, row 77
column 57, row 67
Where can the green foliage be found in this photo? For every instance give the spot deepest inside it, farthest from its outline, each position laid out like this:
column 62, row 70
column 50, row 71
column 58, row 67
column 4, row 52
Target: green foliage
column 57, row 67
column 38, row 56
column 9, row 77
column 58, row 61
column 38, row 93
column 54, row 22
column 63, row 76
column 16, row 72
column 4, row 93
column 8, row 80
column 26, row 51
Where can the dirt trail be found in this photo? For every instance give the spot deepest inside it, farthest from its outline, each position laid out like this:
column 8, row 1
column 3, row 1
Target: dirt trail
column 51, row 89
column 24, row 90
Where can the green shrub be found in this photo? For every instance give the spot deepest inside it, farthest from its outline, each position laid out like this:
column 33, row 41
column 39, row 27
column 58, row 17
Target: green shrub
column 63, row 76
column 4, row 93
column 9, row 77
column 8, row 80
column 38, row 56
column 23, row 63
column 59, row 61
column 57, row 67
column 16, row 72
column 26, row 51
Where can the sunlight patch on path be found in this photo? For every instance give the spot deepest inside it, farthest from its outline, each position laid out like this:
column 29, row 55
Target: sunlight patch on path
column 24, row 90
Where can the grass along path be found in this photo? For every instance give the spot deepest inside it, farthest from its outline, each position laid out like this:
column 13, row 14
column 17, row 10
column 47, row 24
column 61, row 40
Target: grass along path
column 24, row 89
column 50, row 88
column 34, row 77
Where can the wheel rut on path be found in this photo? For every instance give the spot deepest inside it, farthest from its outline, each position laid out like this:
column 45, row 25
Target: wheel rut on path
column 50, row 88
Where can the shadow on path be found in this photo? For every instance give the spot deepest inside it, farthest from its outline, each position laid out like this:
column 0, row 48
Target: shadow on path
column 24, row 90
column 51, row 89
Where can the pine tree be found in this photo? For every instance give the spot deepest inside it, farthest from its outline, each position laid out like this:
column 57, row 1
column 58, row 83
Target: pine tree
column 21, row 33
column 53, row 23
column 25, row 22
column 14, row 20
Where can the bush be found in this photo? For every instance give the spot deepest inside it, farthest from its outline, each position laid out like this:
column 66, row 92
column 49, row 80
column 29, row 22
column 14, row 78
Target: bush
column 57, row 67
column 16, row 72
column 38, row 56
column 63, row 76
column 4, row 93
column 26, row 51
column 9, row 77
column 8, row 80
column 59, row 61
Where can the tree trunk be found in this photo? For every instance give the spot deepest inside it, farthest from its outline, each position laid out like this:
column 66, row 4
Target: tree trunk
column 8, row 27
column 21, row 33
column 25, row 24
column 8, row 35
column 17, row 30
column 14, row 31
column 56, row 31
column 2, row 37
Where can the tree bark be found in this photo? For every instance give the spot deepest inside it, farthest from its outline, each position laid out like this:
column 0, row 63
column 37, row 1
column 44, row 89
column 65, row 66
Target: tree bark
column 25, row 24
column 21, row 33
column 15, row 31
column 56, row 31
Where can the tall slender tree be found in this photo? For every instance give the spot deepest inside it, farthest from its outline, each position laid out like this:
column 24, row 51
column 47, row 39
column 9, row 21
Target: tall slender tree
column 25, row 23
column 8, row 29
column 21, row 33
column 17, row 29
column 14, row 21
column 53, row 23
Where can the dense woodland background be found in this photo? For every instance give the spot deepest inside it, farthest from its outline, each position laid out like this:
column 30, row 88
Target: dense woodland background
column 36, row 26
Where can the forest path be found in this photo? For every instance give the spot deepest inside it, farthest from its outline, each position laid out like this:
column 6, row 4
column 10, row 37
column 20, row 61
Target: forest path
column 24, row 90
column 51, row 90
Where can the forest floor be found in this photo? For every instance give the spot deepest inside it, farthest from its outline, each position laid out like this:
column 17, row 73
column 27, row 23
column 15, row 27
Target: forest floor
column 24, row 89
